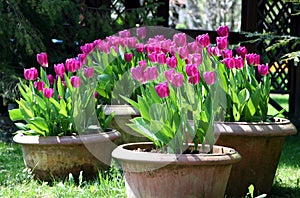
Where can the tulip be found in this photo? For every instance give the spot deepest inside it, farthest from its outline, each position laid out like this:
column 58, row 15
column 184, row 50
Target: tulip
column 177, row 80
column 141, row 32
column 159, row 37
column 87, row 48
column 59, row 69
column 104, row 47
column 223, row 31
column 253, row 59
column 241, row 51
column 194, row 79
column 97, row 42
column 209, row 77
column 172, row 62
column 140, row 47
column 195, row 59
column 150, row 73
column 227, row 53
column 203, row 40
column 128, row 57
column 180, row 39
column 183, row 52
column 39, row 85
column 191, row 69
column 263, row 69
column 193, row 47
column 162, row 90
column 161, row 58
column 131, row 42
column 124, row 33
column 229, row 62
column 143, row 63
column 75, row 81
column 165, row 45
column 222, row 42
column 214, row 51
column 153, row 57
column 72, row 65
column 89, row 72
column 42, row 59
column 169, row 75
column 31, row 73
column 137, row 73
column 82, row 58
column 50, row 79
column 239, row 62
column 48, row 92
column 96, row 94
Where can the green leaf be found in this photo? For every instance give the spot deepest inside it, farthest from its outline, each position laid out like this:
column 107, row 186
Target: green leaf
column 144, row 108
column 63, row 108
column 36, row 129
column 15, row 114
column 40, row 123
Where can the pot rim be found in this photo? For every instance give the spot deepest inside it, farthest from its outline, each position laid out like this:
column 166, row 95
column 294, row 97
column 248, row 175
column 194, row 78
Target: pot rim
column 278, row 120
column 121, row 110
column 228, row 156
column 66, row 140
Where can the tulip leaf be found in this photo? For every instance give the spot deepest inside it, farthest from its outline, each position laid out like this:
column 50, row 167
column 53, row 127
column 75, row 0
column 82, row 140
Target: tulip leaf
column 15, row 114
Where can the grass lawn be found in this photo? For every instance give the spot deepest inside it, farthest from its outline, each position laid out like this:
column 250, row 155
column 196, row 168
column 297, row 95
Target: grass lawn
column 15, row 181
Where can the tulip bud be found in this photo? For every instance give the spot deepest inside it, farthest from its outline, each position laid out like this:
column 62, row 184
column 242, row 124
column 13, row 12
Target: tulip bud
column 209, row 77
column 263, row 69
column 39, row 85
column 140, row 47
column 177, row 80
column 223, row 31
column 241, row 51
column 48, row 92
column 222, row 42
column 162, row 90
column 141, row 32
column 50, row 79
column 31, row 73
column 203, row 40
column 59, row 69
column 128, row 57
column 191, row 69
column 180, row 39
column 75, row 81
column 172, row 62
column 169, row 75
column 161, row 58
column 89, row 72
column 42, row 59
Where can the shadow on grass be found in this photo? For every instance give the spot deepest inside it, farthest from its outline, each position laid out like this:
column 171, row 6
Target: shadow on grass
column 283, row 191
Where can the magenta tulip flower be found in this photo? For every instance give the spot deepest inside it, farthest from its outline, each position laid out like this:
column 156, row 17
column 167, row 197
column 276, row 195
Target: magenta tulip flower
column 180, row 39
column 39, row 85
column 59, row 69
column 153, row 57
column 195, row 59
column 239, row 62
column 223, row 30
column 141, row 32
column 96, row 94
column 161, row 58
column 131, row 42
column 183, row 52
column 241, row 51
column 203, row 40
column 31, row 73
column 128, row 57
column 162, row 90
column 48, row 92
column 177, row 80
column 222, row 42
column 72, row 65
column 209, row 77
column 140, row 47
column 42, row 59
column 137, row 73
column 263, row 69
column 195, row 78
column 50, row 79
column 253, row 59
column 227, row 53
column 169, row 74
column 191, row 69
column 150, row 73
column 87, row 48
column 89, row 72
column 124, row 33
column 75, row 81
column 193, row 48
column 229, row 62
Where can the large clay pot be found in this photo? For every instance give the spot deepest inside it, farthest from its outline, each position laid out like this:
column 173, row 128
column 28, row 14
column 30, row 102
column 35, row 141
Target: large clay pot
column 122, row 116
column 56, row 157
column 260, row 145
column 149, row 174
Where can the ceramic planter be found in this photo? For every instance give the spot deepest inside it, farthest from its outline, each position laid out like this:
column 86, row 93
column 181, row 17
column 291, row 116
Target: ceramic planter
column 260, row 145
column 55, row 157
column 122, row 116
column 149, row 174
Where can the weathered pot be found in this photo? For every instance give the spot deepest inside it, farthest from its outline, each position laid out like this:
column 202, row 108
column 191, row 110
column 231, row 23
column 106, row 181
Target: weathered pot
column 122, row 116
column 149, row 174
column 260, row 145
column 55, row 157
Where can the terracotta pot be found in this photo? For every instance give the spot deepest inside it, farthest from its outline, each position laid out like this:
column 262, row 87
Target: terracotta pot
column 55, row 157
column 260, row 145
column 122, row 116
column 150, row 174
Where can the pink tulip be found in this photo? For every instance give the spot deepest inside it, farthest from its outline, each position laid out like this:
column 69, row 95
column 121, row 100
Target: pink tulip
column 72, row 65
column 140, row 47
column 172, row 62
column 150, row 73
column 223, row 31
column 137, row 73
column 191, row 69
column 180, row 39
column 203, row 40
column 209, row 77
column 177, row 80
column 214, row 51
column 241, row 51
column 183, row 52
column 75, row 81
column 50, row 79
column 42, row 59
column 165, row 45
column 227, row 53
column 195, row 59
column 131, row 42
column 194, row 79
column 253, row 59
column 124, row 33
column 87, row 48
column 161, row 58
column 141, row 32
column 193, row 48
column 263, row 69
column 48, row 92
column 162, row 90
column 239, row 62
column 128, row 57
column 31, row 73
column 96, row 94
column 97, row 42
column 82, row 58
column 104, row 47
column 169, row 75
column 222, row 42
column 89, row 72
column 153, row 57
column 39, row 85
column 143, row 63
column 59, row 69
column 229, row 62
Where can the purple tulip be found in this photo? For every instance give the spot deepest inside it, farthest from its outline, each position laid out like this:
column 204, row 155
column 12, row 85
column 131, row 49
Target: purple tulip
column 169, row 75
column 72, row 65
column 75, row 81
column 48, row 92
column 229, row 62
column 180, row 39
column 172, row 62
column 31, row 73
column 203, row 40
column 239, row 62
column 50, row 79
column 89, row 72
column 128, row 57
column 162, row 90
column 42, row 59
column 241, row 51
column 141, row 32
column 87, row 48
column 140, row 47
column 209, row 77
column 143, row 63
column 183, row 52
column 222, row 42
column 137, row 73
column 59, row 69
column 124, row 33
column 193, row 48
column 214, row 51
column 82, row 58
column 153, row 57
column 253, row 59
column 161, row 58
column 223, row 31
column 131, row 42
column 191, row 69
column 227, row 53
column 96, row 94
column 39, row 85
column 104, row 47
column 263, row 69
column 150, row 73
column 195, row 78
column 177, row 80
column 195, row 59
